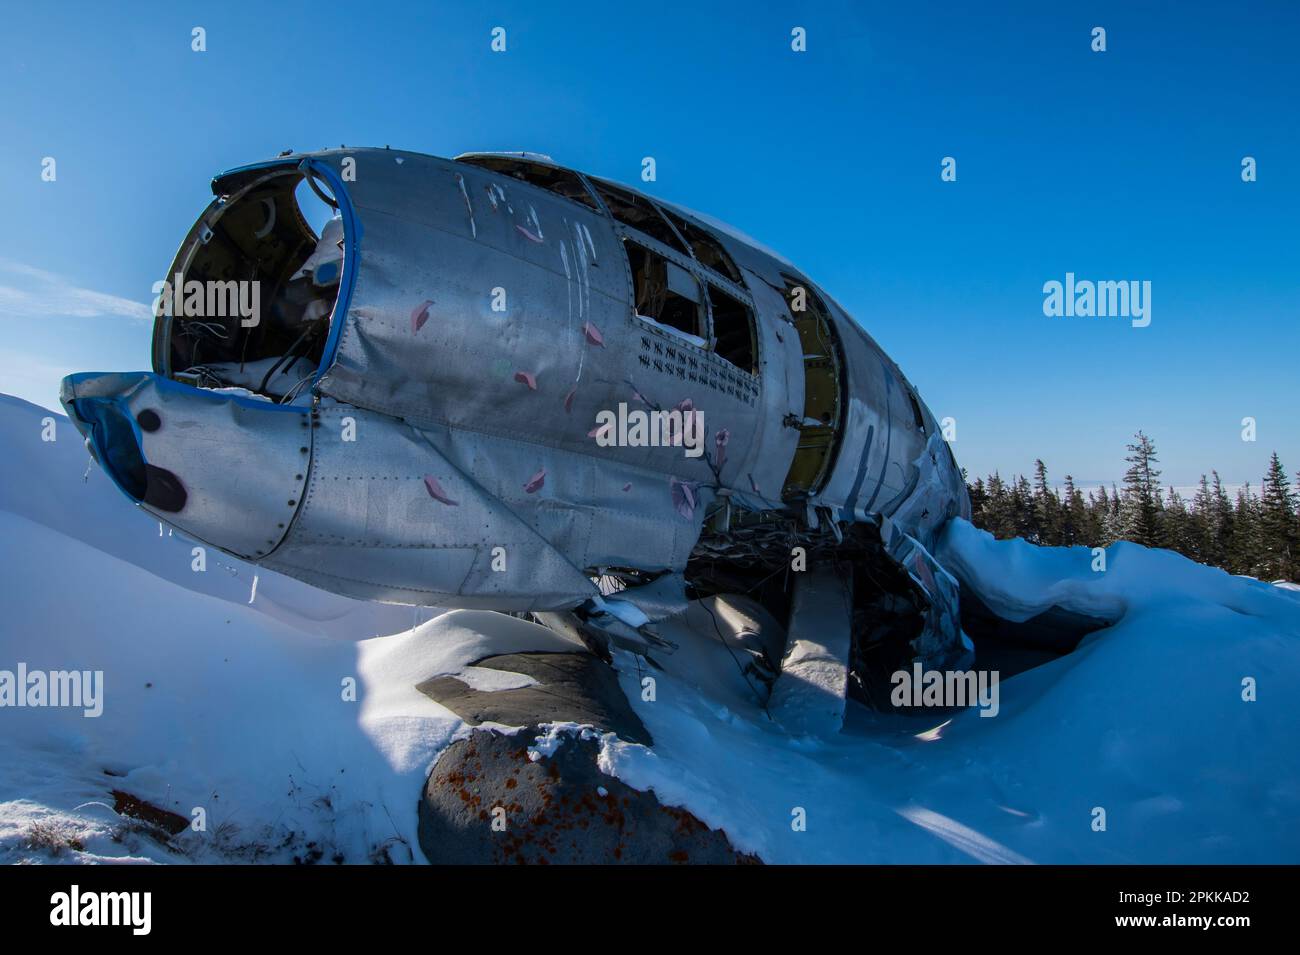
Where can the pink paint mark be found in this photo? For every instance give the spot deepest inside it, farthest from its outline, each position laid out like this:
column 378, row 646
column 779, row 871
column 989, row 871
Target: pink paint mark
column 528, row 235
column 684, row 499
column 420, row 315
column 436, row 492
column 720, row 444
column 593, row 334
column 568, row 399
column 600, row 431
column 627, row 487
column 535, row 482
column 752, row 484
column 526, row 378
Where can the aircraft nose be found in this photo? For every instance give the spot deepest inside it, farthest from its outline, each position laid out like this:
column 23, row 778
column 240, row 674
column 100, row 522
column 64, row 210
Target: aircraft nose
column 114, row 438
column 226, row 469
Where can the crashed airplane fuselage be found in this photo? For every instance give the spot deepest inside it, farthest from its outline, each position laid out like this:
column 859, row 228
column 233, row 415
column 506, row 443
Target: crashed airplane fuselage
column 436, row 402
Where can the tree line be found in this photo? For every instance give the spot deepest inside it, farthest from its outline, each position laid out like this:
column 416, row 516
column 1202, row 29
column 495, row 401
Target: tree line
column 1257, row 534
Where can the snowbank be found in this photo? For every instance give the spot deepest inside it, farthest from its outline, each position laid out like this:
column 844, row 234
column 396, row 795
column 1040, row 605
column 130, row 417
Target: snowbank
column 1145, row 721
column 246, row 710
column 210, row 702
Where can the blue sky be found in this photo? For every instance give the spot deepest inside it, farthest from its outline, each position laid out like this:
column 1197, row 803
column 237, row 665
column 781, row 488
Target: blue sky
column 1117, row 165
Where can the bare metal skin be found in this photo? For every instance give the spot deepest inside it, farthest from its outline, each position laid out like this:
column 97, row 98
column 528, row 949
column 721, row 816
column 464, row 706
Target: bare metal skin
column 440, row 444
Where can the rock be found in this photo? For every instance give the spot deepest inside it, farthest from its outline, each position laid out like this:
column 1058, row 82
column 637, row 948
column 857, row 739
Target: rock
column 553, row 810
column 571, row 688
column 560, row 808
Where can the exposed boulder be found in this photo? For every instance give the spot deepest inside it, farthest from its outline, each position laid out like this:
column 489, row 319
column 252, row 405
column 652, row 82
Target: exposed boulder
column 570, row 688
column 490, row 800
column 559, row 809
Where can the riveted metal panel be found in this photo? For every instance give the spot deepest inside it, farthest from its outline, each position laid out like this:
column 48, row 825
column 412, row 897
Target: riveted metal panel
column 241, row 463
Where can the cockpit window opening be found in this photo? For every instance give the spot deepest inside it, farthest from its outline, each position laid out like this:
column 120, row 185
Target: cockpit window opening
column 260, row 277
column 734, row 329
column 562, row 182
column 636, row 212
column 707, row 250
column 665, row 294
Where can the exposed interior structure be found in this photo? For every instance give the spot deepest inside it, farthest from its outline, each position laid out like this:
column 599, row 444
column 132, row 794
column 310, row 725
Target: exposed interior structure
column 665, row 294
column 823, row 390
column 251, row 295
column 562, row 182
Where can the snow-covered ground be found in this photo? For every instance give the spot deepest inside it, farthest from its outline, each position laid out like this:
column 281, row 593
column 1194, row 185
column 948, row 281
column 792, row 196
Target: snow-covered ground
column 236, row 702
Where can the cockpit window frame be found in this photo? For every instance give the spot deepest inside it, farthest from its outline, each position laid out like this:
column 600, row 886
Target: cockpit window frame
column 481, row 161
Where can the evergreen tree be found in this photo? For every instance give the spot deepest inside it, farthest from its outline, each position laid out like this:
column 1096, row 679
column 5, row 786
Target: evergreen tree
column 978, row 499
column 1244, row 549
column 1074, row 516
column 1046, row 508
column 1177, row 528
column 999, row 519
column 1222, row 525
column 1200, row 530
column 1140, row 517
column 1259, row 536
column 1279, row 552
column 1022, row 506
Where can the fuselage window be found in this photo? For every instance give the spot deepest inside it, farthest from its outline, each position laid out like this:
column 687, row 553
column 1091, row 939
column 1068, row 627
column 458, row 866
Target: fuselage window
column 733, row 329
column 562, row 182
column 636, row 213
column 708, row 251
column 665, row 294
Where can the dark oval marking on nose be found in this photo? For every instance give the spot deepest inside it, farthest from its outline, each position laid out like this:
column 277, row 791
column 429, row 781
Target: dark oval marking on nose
column 163, row 489
column 148, row 420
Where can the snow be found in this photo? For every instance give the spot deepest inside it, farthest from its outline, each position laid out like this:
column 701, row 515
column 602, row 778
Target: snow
column 1146, row 721
column 247, row 711
column 210, row 702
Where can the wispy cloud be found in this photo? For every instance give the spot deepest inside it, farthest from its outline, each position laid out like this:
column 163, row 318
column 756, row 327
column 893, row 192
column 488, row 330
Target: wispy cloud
column 27, row 292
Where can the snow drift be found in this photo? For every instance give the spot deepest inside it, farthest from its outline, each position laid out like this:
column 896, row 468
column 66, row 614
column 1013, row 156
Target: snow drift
column 236, row 700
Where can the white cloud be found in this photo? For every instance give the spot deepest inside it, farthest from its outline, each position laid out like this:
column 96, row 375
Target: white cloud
column 40, row 294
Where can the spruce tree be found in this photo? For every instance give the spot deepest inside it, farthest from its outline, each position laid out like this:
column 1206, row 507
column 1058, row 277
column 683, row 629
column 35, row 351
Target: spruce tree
column 1199, row 526
column 1046, row 508
column 1074, row 516
column 1244, row 555
column 1279, row 552
column 1222, row 525
column 1177, row 524
column 979, row 500
column 1140, row 516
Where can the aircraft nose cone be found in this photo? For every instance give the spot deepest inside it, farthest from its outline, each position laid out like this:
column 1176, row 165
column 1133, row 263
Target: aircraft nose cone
column 226, row 469
column 114, row 438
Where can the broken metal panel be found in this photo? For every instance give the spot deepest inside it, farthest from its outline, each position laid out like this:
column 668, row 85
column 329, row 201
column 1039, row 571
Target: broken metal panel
column 941, row 644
